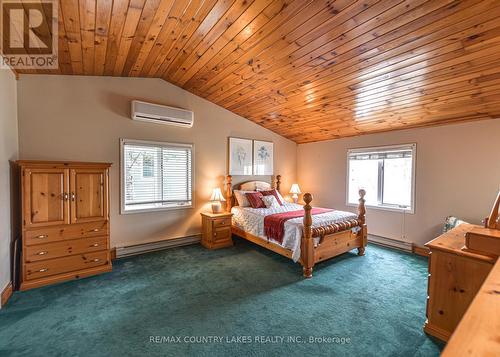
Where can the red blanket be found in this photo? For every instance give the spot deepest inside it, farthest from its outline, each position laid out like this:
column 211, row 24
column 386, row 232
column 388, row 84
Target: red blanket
column 274, row 224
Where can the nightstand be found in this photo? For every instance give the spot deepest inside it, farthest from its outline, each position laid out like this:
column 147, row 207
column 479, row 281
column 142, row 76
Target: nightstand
column 216, row 230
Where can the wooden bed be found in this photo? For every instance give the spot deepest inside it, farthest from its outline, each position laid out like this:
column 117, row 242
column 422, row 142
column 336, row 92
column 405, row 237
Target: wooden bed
column 334, row 239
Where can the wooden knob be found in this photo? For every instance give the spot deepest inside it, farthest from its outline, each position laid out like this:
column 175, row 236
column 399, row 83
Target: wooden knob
column 308, row 198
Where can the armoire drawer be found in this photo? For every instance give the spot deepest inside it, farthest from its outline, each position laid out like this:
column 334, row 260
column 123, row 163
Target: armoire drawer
column 63, row 265
column 59, row 233
column 46, row 251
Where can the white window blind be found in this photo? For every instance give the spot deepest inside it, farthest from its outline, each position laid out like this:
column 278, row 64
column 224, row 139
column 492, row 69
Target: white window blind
column 386, row 173
column 156, row 176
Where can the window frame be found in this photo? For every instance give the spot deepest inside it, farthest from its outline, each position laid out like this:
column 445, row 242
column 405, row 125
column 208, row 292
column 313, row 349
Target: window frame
column 385, row 207
column 123, row 142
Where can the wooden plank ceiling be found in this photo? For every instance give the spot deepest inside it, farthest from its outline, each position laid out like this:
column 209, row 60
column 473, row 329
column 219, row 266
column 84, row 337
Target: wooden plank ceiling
column 308, row 70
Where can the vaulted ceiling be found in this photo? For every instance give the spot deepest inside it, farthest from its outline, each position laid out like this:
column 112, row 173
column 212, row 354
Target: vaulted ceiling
column 308, row 70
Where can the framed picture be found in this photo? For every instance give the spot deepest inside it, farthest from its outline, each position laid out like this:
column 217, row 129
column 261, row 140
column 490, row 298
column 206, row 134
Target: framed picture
column 240, row 156
column 263, row 158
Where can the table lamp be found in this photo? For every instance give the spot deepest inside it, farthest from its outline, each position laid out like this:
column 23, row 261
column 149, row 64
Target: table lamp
column 216, row 200
column 296, row 191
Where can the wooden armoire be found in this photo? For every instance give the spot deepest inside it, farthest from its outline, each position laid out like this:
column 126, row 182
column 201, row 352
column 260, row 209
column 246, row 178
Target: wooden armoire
column 65, row 221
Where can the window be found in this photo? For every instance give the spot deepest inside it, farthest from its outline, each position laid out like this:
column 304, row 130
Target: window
column 386, row 173
column 155, row 176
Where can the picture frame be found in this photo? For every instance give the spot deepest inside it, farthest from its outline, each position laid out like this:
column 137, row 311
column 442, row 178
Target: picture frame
column 263, row 157
column 240, row 156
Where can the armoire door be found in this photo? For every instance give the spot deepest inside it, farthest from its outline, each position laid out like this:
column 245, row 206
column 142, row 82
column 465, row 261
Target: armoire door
column 45, row 197
column 88, row 195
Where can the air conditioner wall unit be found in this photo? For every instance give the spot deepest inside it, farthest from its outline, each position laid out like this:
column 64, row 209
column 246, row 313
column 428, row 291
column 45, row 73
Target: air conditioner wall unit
column 161, row 114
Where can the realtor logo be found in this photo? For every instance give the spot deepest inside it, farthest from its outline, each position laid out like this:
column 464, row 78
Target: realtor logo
column 29, row 34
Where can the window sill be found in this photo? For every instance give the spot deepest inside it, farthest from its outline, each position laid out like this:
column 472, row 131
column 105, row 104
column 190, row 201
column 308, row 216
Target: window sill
column 153, row 209
column 386, row 208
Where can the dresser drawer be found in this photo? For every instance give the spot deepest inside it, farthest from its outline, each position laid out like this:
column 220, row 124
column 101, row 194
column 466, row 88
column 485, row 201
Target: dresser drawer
column 222, row 222
column 63, row 265
column 56, row 234
column 61, row 249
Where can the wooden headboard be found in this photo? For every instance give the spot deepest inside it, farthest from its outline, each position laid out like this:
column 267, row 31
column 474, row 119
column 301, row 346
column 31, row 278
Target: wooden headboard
column 248, row 186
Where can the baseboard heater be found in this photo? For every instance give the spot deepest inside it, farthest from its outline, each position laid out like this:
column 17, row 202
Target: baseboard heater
column 391, row 243
column 127, row 251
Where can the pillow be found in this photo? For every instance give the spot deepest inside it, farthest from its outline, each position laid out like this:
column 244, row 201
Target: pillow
column 271, row 201
column 255, row 199
column 451, row 222
column 274, row 193
column 281, row 199
column 241, row 198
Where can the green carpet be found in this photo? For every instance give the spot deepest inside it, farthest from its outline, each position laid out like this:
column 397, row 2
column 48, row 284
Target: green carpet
column 251, row 298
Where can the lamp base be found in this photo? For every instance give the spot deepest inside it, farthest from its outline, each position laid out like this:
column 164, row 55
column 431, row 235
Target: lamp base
column 295, row 198
column 216, row 207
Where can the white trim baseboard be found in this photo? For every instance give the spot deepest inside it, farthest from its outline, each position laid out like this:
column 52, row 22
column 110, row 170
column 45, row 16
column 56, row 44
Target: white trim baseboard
column 127, row 251
column 391, row 243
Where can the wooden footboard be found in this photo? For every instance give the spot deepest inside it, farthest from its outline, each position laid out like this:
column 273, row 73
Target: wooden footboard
column 336, row 244
column 334, row 239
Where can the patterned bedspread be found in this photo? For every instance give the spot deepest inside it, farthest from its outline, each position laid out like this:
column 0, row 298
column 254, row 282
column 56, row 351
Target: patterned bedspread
column 251, row 220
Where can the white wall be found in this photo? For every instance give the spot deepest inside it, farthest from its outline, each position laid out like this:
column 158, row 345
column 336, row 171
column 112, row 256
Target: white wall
column 457, row 173
column 8, row 151
column 83, row 118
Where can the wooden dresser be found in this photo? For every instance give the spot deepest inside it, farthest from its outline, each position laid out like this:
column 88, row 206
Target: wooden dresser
column 65, row 221
column 216, row 230
column 478, row 333
column 455, row 277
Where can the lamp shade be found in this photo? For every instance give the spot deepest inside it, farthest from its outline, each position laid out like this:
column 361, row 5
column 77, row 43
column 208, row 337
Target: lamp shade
column 217, row 195
column 295, row 189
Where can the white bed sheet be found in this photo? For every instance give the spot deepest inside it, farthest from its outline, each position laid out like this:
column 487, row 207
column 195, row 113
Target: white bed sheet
column 251, row 220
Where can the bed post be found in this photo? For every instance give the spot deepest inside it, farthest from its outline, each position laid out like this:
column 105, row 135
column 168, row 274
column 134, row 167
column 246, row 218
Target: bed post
column 278, row 183
column 362, row 222
column 229, row 193
column 307, row 241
